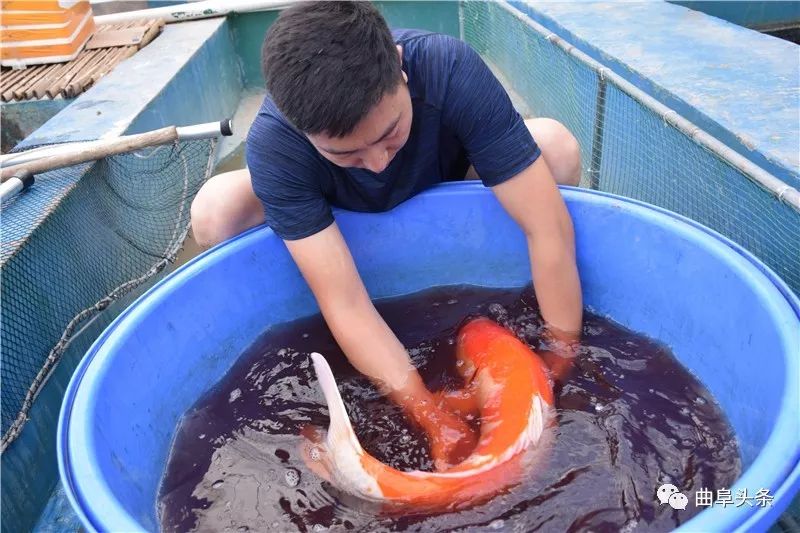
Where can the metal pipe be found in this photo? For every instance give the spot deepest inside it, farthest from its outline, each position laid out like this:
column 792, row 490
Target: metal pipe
column 778, row 188
column 203, row 131
column 195, row 10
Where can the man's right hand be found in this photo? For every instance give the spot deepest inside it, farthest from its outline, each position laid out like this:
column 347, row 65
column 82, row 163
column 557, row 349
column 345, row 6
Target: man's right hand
column 370, row 345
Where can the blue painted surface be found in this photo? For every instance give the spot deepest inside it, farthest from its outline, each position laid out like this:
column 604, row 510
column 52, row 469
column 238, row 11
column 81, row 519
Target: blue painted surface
column 206, row 88
column 124, row 99
column 750, row 14
column 741, row 86
column 114, row 435
column 58, row 516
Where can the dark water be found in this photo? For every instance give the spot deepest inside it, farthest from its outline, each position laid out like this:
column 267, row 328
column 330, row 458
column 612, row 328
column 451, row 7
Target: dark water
column 629, row 419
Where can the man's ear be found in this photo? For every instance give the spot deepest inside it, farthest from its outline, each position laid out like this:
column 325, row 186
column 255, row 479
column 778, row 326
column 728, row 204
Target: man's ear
column 400, row 55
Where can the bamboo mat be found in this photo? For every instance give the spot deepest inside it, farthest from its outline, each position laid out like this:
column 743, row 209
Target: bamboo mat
column 110, row 45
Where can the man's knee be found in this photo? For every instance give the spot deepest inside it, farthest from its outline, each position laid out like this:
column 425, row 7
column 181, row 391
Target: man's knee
column 223, row 207
column 204, row 219
column 560, row 149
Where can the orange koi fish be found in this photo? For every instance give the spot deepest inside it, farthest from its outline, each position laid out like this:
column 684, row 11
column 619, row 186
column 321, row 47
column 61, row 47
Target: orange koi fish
column 509, row 386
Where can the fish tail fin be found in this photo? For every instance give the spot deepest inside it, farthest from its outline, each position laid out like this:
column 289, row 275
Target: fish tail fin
column 340, row 430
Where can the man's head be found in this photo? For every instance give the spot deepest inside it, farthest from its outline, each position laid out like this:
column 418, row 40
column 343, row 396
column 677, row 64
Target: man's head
column 333, row 70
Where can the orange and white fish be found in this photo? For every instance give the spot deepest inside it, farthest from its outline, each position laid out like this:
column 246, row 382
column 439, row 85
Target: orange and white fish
column 514, row 399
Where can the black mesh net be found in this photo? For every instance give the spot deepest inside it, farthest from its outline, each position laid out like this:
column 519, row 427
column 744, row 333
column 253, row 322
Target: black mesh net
column 77, row 240
column 629, row 149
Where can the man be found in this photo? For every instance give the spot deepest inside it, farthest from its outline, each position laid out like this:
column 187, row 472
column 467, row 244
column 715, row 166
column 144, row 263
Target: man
column 362, row 119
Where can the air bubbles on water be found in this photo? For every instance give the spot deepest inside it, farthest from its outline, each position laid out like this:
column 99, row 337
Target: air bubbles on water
column 452, row 301
column 318, row 527
column 315, row 454
column 235, row 394
column 292, row 477
column 700, row 400
column 217, row 484
column 497, row 524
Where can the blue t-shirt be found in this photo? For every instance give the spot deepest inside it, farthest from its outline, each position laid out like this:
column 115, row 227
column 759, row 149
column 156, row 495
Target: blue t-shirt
column 460, row 115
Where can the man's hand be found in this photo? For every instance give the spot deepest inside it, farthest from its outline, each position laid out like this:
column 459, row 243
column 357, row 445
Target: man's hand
column 533, row 200
column 560, row 351
column 451, row 439
column 370, row 346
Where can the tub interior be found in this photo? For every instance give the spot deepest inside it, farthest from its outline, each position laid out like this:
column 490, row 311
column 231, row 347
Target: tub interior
column 665, row 280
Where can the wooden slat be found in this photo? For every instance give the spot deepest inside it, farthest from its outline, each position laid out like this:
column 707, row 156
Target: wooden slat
column 153, row 31
column 80, row 83
column 30, row 72
column 10, row 76
column 19, row 91
column 28, row 92
column 51, row 76
column 71, row 78
column 74, row 68
column 26, row 74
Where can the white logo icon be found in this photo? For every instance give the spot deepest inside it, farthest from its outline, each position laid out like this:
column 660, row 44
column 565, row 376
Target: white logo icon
column 665, row 491
column 678, row 501
column 669, row 494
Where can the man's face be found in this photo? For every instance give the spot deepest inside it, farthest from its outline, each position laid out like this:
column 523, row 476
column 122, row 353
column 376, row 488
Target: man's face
column 376, row 139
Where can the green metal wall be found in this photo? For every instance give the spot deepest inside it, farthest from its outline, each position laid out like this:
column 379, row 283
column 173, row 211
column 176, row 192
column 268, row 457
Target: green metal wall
column 249, row 29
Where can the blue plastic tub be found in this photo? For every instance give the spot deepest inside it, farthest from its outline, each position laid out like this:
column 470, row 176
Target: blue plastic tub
column 725, row 316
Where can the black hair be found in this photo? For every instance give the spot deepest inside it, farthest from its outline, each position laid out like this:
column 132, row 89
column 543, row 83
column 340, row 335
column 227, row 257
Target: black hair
column 326, row 64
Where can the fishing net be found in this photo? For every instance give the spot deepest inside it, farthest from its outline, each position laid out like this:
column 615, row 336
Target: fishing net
column 79, row 239
column 627, row 147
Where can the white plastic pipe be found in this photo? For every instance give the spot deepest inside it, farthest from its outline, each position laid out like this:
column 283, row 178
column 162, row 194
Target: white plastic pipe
column 14, row 185
column 195, row 10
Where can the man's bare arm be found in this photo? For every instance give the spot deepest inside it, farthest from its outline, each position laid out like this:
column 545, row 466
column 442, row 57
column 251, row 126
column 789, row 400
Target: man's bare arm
column 533, row 200
column 371, row 347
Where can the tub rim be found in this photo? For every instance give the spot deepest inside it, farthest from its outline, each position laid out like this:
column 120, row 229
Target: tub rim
column 720, row 519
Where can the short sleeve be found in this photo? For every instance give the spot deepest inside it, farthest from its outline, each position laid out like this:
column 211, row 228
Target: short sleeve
column 285, row 171
column 480, row 112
